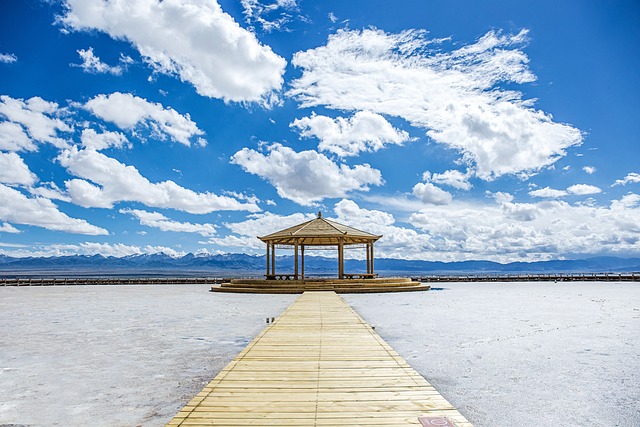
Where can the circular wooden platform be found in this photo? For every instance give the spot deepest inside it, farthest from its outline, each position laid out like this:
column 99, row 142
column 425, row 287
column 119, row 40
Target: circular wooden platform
column 262, row 286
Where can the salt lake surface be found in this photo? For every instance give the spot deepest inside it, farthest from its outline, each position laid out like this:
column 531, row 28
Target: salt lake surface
column 505, row 354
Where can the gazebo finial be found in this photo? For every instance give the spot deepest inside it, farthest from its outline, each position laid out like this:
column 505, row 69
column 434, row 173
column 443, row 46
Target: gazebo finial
column 319, row 214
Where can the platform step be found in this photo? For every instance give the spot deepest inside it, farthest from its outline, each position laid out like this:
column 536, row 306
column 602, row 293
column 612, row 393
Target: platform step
column 341, row 286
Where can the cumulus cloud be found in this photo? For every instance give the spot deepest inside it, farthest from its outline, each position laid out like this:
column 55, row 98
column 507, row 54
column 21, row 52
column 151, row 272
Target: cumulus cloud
column 577, row 189
column 37, row 117
column 430, row 194
column 92, row 64
column 8, row 58
column 503, row 231
column 50, row 190
column 161, row 222
column 452, row 178
column 113, row 182
column 13, row 170
column 306, row 177
column 100, row 141
column 260, row 224
column 538, row 231
column 17, row 208
column 631, row 178
column 589, row 169
column 456, row 96
column 583, row 189
column 128, row 111
column 396, row 241
column 549, row 193
column 271, row 16
column 364, row 131
column 118, row 250
column 13, row 138
column 192, row 39
column 8, row 228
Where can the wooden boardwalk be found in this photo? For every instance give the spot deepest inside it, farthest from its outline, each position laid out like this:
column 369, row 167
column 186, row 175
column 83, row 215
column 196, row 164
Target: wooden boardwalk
column 319, row 364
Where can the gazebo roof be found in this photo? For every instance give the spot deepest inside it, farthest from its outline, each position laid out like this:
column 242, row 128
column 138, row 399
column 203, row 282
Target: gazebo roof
column 320, row 232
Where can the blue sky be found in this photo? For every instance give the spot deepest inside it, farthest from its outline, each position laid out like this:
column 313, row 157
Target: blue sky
column 495, row 130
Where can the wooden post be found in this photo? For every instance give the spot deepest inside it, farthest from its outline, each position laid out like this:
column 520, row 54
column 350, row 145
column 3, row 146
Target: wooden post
column 302, row 253
column 273, row 259
column 295, row 260
column 341, row 258
column 368, row 258
column 371, row 258
column 268, row 258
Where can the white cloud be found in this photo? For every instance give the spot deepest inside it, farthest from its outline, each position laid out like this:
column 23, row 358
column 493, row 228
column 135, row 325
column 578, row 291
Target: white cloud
column 112, row 182
column 126, row 59
column 246, row 244
column 118, row 250
column 333, row 18
column 161, row 222
column 259, row 224
column 396, row 241
column 545, row 230
column 128, row 111
column 306, row 177
column 577, row 189
column 452, row 178
column 522, row 212
column 100, row 141
column 241, row 196
column 364, row 131
column 13, row 170
column 430, row 194
column 17, row 208
column 49, row 190
column 501, row 197
column 549, row 193
column 8, row 58
column 631, row 178
column 34, row 115
column 630, row 200
column 8, row 228
column 455, row 96
column 192, row 39
column 589, row 169
column 583, row 189
column 92, row 64
column 13, row 138
column 400, row 202
column 273, row 16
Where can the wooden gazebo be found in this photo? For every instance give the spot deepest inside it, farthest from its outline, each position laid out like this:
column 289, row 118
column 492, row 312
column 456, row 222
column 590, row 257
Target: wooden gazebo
column 319, row 233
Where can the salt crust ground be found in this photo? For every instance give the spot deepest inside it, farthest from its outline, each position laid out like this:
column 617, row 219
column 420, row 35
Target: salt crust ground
column 519, row 354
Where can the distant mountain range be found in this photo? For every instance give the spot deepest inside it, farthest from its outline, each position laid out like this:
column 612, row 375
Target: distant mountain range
column 249, row 265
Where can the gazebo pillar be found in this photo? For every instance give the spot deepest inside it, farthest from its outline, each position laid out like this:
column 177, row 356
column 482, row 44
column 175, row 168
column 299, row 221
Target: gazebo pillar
column 302, row 254
column 341, row 258
column 268, row 257
column 371, row 258
column 295, row 260
column 273, row 259
column 368, row 258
